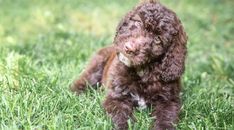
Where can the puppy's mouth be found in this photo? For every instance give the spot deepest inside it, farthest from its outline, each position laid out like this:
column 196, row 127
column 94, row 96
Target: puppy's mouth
column 128, row 61
column 125, row 60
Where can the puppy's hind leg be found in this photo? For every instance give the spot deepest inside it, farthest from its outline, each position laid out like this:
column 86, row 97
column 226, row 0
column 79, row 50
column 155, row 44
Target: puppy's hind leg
column 93, row 72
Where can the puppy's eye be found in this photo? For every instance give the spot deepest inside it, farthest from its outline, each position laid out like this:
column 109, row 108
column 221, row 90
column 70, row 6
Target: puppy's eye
column 157, row 40
column 125, row 24
column 133, row 27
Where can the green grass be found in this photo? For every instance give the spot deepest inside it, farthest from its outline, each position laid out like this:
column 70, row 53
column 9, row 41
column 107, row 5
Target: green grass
column 45, row 44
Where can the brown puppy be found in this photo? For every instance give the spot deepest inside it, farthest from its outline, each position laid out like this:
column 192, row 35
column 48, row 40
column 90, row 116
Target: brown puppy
column 142, row 68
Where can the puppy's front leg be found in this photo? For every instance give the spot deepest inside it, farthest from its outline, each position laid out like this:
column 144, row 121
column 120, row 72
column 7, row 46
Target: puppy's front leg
column 166, row 115
column 120, row 110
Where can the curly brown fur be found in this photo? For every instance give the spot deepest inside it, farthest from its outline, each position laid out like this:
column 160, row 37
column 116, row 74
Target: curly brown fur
column 143, row 67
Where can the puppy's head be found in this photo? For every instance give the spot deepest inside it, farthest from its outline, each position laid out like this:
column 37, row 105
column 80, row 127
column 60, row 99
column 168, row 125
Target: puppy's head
column 146, row 33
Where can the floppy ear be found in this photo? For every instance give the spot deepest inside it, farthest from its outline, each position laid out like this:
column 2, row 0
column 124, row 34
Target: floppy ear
column 173, row 64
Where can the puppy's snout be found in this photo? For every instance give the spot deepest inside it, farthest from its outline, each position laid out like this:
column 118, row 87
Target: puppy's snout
column 130, row 48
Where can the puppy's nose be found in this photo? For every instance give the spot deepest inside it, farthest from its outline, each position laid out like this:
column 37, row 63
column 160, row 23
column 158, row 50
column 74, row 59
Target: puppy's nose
column 129, row 48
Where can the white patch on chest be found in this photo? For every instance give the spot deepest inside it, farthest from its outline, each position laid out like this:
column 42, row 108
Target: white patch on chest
column 124, row 59
column 140, row 73
column 140, row 101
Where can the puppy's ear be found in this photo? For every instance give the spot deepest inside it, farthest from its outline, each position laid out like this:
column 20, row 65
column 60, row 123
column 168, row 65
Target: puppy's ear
column 172, row 66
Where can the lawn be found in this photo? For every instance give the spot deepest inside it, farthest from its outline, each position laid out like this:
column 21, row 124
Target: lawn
column 45, row 44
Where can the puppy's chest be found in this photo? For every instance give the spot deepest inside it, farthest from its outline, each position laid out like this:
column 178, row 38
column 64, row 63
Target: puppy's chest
column 146, row 83
column 146, row 76
column 141, row 72
column 138, row 100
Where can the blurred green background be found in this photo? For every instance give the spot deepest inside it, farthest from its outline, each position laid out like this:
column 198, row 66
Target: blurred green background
column 45, row 44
